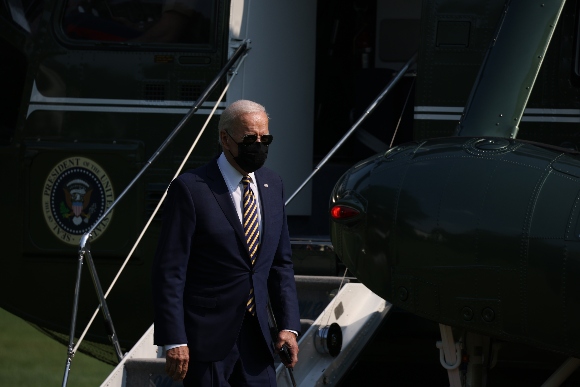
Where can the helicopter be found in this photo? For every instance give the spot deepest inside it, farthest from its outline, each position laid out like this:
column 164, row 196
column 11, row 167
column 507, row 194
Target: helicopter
column 92, row 88
column 89, row 95
column 478, row 230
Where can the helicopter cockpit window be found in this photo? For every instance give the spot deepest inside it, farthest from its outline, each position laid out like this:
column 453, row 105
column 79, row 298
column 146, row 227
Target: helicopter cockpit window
column 140, row 21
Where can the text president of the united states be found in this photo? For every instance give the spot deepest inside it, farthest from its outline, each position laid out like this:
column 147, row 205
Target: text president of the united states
column 223, row 251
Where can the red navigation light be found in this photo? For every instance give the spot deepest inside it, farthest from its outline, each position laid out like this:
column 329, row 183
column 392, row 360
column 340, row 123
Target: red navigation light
column 340, row 212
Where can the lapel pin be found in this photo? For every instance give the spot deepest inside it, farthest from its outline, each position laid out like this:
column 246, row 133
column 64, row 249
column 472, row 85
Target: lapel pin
column 266, row 185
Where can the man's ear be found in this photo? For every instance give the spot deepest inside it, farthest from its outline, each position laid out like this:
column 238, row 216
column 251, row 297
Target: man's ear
column 223, row 138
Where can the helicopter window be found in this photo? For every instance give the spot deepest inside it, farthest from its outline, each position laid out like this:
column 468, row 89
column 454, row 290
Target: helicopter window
column 140, row 21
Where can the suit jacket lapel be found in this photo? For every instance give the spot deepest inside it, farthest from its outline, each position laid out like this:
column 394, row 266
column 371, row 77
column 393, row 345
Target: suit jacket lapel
column 218, row 187
column 266, row 209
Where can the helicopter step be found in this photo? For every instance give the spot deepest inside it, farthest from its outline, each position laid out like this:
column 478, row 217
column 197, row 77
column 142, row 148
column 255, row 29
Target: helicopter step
column 334, row 341
column 329, row 345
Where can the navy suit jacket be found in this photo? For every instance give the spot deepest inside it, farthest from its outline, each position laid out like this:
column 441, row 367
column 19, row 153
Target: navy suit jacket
column 202, row 273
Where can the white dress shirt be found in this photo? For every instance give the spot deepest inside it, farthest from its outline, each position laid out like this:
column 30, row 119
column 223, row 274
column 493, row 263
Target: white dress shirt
column 233, row 179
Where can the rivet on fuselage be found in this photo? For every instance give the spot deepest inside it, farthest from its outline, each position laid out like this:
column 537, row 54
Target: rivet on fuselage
column 467, row 313
column 402, row 293
column 488, row 315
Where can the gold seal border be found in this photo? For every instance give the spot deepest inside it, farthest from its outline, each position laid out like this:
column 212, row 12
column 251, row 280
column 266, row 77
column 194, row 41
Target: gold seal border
column 55, row 173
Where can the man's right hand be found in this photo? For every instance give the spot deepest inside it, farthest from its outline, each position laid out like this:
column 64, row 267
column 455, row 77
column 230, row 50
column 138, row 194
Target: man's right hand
column 176, row 362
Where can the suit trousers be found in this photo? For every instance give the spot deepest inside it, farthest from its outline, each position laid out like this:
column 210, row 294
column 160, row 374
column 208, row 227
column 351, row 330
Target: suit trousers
column 249, row 363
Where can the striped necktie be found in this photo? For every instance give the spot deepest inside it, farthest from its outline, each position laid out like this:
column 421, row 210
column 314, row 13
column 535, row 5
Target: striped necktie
column 250, row 219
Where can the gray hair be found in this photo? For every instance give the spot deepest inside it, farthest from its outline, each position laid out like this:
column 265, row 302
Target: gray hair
column 236, row 109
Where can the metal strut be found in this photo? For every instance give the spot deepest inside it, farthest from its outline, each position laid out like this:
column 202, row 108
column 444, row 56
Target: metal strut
column 103, row 306
column 70, row 353
column 84, row 250
column 450, row 355
column 369, row 110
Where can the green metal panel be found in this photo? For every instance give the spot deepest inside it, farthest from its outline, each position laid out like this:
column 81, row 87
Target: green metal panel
column 508, row 73
column 446, row 74
column 473, row 233
column 107, row 107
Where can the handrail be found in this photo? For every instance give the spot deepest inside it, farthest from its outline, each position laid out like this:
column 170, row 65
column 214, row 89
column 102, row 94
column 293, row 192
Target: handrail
column 244, row 46
column 369, row 110
column 177, row 173
column 84, row 242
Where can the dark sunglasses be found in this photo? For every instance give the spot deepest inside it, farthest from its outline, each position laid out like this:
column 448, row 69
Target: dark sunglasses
column 249, row 139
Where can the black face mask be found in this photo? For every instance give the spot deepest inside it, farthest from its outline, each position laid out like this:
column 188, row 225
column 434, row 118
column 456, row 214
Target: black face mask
column 251, row 157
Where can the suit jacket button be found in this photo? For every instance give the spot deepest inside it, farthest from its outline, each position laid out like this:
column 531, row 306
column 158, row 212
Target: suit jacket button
column 252, row 272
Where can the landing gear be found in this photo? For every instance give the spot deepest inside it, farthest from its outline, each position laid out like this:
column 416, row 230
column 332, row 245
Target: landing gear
column 469, row 359
column 563, row 372
column 450, row 355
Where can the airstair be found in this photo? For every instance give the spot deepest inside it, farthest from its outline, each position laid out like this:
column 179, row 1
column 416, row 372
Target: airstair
column 329, row 344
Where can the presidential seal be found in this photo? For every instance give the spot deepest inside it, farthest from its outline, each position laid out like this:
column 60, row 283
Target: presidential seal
column 76, row 194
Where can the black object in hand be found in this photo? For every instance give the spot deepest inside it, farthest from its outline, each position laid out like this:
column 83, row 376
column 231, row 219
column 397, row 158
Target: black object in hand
column 285, row 355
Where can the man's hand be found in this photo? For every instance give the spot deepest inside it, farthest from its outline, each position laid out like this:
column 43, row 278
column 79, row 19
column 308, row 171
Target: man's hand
column 289, row 339
column 176, row 362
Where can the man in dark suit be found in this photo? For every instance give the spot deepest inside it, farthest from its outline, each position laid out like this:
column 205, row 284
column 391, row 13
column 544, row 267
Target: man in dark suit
column 224, row 247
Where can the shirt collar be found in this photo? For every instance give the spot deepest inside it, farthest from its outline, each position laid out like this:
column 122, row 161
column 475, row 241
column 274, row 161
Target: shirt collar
column 231, row 175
